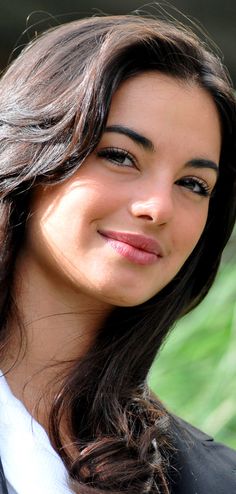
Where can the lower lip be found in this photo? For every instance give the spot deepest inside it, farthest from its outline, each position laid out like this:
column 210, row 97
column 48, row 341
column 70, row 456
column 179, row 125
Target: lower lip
column 131, row 253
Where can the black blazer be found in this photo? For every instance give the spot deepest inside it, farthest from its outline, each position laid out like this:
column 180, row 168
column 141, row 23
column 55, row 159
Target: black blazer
column 202, row 465
column 199, row 464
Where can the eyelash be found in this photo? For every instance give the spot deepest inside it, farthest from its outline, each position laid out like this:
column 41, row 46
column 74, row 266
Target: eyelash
column 204, row 189
column 117, row 155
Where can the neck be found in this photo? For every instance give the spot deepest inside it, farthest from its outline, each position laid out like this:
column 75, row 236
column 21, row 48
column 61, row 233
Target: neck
column 59, row 326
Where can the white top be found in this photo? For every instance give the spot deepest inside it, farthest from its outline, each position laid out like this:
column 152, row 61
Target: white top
column 30, row 464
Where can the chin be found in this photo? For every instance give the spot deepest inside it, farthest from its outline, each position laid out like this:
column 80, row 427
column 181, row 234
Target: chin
column 129, row 300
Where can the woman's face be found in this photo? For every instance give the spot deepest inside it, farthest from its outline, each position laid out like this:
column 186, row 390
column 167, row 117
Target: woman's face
column 121, row 228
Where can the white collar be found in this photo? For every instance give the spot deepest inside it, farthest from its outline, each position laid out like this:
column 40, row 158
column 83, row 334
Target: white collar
column 30, row 463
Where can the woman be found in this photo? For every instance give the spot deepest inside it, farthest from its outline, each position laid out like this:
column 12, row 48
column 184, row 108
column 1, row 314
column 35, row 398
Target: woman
column 118, row 196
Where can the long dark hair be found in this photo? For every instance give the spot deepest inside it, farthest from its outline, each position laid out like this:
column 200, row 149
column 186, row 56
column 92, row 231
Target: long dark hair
column 54, row 102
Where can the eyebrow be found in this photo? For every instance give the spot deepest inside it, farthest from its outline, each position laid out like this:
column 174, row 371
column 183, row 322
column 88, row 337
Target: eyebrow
column 148, row 145
column 203, row 163
column 138, row 138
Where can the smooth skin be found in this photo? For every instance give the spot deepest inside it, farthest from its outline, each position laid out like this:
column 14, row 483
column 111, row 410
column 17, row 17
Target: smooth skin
column 153, row 179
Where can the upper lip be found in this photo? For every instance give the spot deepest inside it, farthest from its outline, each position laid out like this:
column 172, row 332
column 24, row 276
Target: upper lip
column 142, row 242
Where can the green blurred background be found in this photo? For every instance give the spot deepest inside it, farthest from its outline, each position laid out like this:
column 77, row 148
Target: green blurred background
column 195, row 374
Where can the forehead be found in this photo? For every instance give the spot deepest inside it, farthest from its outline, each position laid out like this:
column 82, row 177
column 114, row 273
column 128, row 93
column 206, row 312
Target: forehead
column 148, row 86
column 164, row 107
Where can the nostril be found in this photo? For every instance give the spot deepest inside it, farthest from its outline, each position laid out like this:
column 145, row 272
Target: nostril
column 146, row 217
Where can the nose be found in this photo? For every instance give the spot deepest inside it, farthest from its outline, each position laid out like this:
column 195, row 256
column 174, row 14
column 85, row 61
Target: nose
column 156, row 207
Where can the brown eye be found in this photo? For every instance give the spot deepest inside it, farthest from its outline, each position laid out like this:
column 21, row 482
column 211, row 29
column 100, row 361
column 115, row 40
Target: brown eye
column 117, row 156
column 196, row 185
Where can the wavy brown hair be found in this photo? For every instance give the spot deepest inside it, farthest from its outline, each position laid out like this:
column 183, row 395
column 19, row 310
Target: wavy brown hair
column 54, row 102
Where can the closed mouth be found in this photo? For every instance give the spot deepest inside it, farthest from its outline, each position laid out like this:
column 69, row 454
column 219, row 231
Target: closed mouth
column 141, row 242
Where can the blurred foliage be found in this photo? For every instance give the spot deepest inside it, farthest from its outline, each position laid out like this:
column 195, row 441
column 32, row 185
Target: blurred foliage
column 195, row 373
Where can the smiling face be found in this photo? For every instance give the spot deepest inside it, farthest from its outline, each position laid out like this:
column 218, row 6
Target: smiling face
column 121, row 228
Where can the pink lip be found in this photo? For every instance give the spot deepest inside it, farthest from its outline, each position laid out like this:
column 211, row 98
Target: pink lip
column 137, row 248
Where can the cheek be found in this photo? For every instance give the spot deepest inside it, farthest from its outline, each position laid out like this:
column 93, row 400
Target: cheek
column 192, row 229
column 64, row 221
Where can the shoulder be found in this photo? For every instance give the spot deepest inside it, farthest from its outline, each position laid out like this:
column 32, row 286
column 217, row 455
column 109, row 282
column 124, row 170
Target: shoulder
column 200, row 465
